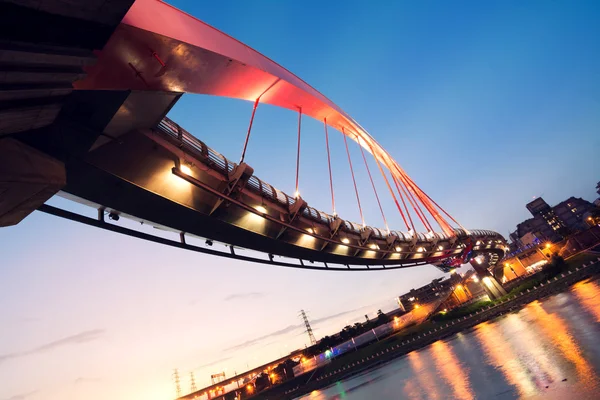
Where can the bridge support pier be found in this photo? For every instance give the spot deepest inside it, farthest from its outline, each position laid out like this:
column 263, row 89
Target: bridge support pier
column 490, row 284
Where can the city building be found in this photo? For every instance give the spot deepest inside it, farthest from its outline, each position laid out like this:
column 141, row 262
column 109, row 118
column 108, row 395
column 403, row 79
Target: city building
column 551, row 223
column 427, row 293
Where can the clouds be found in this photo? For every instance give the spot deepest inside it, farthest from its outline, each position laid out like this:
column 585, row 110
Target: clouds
column 210, row 364
column 287, row 329
column 244, row 296
column 252, row 342
column 83, row 380
column 79, row 338
column 323, row 319
column 22, row 396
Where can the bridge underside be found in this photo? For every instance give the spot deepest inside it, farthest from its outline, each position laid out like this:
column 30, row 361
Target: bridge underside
column 115, row 151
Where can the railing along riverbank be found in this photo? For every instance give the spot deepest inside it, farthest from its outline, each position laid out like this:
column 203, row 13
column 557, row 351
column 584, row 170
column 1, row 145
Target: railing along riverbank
column 394, row 347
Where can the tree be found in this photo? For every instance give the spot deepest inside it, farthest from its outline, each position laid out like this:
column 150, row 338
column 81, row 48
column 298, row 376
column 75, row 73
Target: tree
column 556, row 265
column 381, row 317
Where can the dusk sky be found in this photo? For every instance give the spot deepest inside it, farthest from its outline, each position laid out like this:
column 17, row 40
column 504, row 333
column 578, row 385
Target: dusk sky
column 485, row 104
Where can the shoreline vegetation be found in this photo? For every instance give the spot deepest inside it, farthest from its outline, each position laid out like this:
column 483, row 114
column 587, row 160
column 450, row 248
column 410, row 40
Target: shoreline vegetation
column 557, row 277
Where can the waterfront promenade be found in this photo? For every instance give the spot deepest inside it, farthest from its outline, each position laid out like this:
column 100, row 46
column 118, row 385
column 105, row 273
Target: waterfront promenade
column 396, row 346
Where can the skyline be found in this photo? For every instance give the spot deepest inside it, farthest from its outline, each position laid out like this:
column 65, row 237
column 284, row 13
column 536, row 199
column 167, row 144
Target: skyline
column 57, row 309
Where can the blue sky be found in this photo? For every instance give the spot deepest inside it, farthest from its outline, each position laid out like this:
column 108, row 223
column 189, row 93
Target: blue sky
column 485, row 104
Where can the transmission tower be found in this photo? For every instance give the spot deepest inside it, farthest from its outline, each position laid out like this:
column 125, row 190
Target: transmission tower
column 177, row 383
column 193, row 382
column 311, row 336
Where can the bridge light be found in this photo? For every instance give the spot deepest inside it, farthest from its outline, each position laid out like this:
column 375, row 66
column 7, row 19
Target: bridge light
column 261, row 209
column 345, row 240
column 297, row 194
column 475, row 279
column 310, row 230
column 417, row 306
column 452, row 271
column 374, row 246
column 440, row 248
column 398, row 249
column 487, row 280
column 478, row 243
column 421, row 249
column 185, row 169
column 548, row 245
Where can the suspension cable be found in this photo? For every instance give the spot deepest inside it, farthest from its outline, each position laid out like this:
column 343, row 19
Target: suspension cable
column 417, row 205
column 438, row 206
column 297, row 193
column 329, row 164
column 446, row 227
column 249, row 129
column 353, row 178
column 419, row 192
column 439, row 219
column 399, row 184
column 389, row 187
column 404, row 203
column 374, row 189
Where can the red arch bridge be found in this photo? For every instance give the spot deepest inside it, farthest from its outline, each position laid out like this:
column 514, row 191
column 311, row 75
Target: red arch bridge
column 84, row 109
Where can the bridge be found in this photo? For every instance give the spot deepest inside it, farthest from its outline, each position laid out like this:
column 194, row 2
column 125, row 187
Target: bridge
column 84, row 116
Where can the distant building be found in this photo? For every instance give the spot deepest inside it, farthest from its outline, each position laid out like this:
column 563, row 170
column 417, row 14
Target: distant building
column 427, row 293
column 551, row 223
column 571, row 212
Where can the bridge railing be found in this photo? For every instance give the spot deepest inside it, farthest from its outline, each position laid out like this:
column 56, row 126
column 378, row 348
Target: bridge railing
column 220, row 163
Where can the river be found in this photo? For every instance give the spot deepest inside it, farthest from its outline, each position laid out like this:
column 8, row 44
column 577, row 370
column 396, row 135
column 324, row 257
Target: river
column 549, row 349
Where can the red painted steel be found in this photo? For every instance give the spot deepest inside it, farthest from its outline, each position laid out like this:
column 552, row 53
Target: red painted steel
column 329, row 165
column 197, row 58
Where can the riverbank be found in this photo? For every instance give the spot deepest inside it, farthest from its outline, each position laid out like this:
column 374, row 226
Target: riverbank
column 400, row 344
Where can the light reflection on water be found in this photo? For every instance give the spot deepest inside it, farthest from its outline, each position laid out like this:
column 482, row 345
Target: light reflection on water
column 550, row 349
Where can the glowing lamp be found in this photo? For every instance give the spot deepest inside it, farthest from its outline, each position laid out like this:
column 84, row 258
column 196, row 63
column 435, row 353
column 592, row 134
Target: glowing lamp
column 185, row 169
column 345, row 240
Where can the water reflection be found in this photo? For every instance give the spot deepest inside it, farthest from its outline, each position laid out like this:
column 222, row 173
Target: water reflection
column 556, row 329
column 535, row 352
column 423, row 375
column 547, row 350
column 588, row 294
column 502, row 356
column 451, row 369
